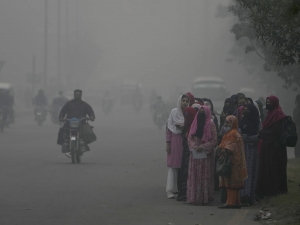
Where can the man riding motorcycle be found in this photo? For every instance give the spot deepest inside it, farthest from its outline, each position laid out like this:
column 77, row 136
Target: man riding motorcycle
column 40, row 101
column 75, row 108
column 57, row 104
column 4, row 105
column 159, row 108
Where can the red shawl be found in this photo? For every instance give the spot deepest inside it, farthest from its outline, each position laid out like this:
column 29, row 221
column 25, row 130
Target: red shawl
column 274, row 115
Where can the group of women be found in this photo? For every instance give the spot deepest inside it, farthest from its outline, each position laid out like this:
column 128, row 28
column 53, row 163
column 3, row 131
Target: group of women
column 248, row 133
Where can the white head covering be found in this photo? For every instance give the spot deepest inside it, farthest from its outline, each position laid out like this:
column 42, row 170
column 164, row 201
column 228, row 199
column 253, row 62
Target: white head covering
column 256, row 105
column 176, row 117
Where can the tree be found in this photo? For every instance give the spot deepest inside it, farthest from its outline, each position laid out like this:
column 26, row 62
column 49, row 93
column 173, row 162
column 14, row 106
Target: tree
column 272, row 29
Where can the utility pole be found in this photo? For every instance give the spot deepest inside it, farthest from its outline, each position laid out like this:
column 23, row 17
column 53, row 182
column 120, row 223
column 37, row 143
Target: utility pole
column 58, row 42
column 45, row 43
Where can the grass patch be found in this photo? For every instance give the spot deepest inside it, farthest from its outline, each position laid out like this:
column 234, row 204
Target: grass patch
column 285, row 209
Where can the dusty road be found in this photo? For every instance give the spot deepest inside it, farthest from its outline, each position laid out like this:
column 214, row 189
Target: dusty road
column 120, row 181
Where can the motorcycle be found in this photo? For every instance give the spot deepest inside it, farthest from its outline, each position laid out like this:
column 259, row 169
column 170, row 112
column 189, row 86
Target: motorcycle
column 74, row 144
column 159, row 119
column 40, row 115
column 55, row 114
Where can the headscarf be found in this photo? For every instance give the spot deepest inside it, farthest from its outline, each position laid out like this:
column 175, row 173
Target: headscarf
column 189, row 116
column 210, row 102
column 199, row 100
column 274, row 115
column 239, row 113
column 233, row 97
column 230, row 135
column 240, row 94
column 196, row 105
column 229, row 110
column 176, row 117
column 204, row 128
column 191, row 97
column 249, row 124
column 232, row 141
column 251, row 100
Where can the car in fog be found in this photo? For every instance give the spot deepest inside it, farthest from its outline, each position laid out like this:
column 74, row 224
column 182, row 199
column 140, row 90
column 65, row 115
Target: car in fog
column 213, row 88
column 129, row 91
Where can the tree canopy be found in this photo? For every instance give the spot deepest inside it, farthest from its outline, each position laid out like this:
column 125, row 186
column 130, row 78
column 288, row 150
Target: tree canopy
column 272, row 28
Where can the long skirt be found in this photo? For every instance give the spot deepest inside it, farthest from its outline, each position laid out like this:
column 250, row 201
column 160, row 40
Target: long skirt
column 183, row 172
column 200, row 186
column 251, row 153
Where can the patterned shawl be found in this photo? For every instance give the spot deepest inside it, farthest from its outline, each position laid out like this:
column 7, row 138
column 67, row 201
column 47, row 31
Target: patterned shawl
column 233, row 141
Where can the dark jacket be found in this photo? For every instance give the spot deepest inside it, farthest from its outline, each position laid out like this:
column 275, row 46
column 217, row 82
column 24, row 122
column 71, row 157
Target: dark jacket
column 76, row 109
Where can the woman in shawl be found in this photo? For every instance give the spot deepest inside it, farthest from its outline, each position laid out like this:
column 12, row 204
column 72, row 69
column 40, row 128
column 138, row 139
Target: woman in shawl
column 249, row 127
column 272, row 177
column 202, row 138
column 210, row 105
column 174, row 149
column 232, row 144
column 189, row 115
column 228, row 109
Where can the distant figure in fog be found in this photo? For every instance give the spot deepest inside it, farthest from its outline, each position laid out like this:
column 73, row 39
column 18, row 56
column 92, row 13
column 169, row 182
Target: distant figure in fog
column 174, row 149
column 202, row 138
column 272, row 177
column 296, row 118
column 40, row 100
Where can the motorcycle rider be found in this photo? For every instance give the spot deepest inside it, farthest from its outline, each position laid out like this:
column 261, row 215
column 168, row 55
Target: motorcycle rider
column 76, row 108
column 40, row 100
column 57, row 103
column 3, row 104
column 9, row 103
column 158, row 107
